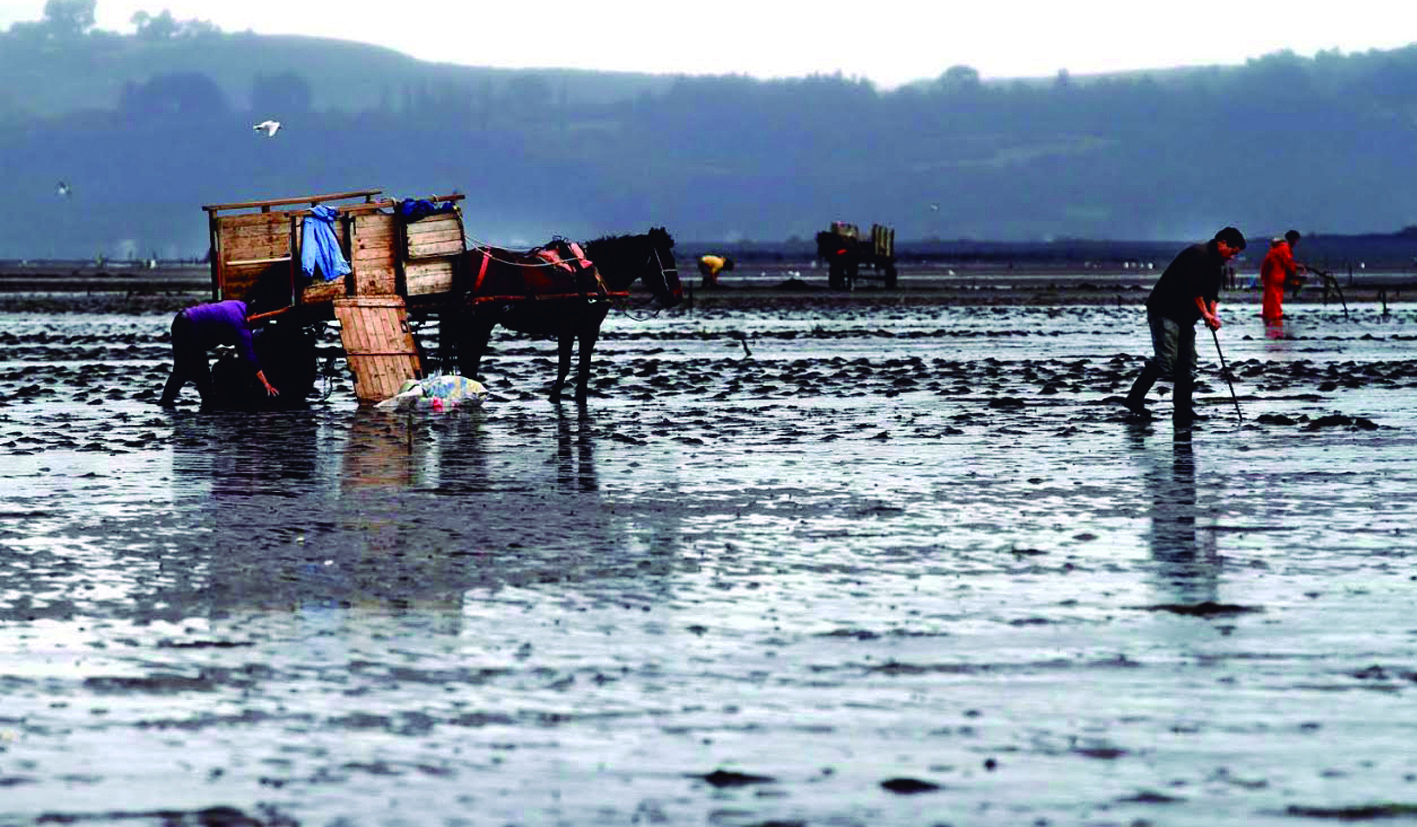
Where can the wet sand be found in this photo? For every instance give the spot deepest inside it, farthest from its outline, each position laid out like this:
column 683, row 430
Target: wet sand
column 874, row 560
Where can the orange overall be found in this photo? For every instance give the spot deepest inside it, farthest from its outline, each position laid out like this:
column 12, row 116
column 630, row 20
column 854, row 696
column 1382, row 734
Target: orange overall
column 1276, row 269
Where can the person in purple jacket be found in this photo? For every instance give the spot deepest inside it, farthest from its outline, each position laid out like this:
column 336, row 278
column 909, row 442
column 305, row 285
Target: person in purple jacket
column 197, row 330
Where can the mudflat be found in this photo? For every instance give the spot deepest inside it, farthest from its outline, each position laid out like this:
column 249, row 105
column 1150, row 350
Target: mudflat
column 877, row 559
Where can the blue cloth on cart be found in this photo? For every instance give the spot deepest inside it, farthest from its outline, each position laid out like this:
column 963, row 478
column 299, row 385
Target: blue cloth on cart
column 413, row 209
column 319, row 249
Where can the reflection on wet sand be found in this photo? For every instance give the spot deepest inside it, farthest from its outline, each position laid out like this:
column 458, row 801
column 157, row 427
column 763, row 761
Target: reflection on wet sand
column 763, row 591
column 391, row 512
column 1187, row 564
column 575, row 451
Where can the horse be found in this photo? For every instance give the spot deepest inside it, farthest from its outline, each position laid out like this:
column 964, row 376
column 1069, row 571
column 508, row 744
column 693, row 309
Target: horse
column 558, row 291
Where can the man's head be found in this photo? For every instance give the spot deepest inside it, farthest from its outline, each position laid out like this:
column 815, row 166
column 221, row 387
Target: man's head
column 1292, row 237
column 1229, row 242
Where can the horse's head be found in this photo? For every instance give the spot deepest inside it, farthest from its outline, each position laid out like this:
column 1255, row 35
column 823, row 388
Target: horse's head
column 666, row 286
column 625, row 259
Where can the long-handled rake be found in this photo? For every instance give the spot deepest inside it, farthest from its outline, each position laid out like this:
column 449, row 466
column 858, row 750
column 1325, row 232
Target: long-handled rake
column 1330, row 285
column 1226, row 372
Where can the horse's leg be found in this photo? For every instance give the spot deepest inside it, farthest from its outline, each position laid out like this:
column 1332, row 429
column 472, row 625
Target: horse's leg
column 588, row 336
column 563, row 364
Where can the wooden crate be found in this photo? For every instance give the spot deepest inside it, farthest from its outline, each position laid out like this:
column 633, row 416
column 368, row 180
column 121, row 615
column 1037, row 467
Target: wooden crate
column 250, row 250
column 259, row 252
column 428, row 277
column 431, row 249
column 379, row 345
column 373, row 253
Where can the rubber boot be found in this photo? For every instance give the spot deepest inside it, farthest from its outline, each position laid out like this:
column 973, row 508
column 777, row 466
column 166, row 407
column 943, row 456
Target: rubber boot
column 1136, row 397
column 1183, row 415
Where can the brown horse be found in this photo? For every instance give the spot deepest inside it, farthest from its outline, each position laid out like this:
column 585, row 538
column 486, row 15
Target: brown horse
column 558, row 291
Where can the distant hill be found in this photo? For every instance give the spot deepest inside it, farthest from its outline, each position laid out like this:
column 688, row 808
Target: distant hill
column 145, row 128
column 46, row 77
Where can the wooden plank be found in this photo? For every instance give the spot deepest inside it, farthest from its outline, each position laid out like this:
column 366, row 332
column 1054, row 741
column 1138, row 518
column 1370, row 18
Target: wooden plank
column 367, row 379
column 246, row 220
column 377, row 341
column 395, row 367
column 435, row 249
column 421, row 278
column 305, row 199
column 436, row 235
column 374, row 280
column 373, row 256
column 259, row 261
column 250, row 249
column 430, row 230
column 319, row 292
column 375, row 233
column 274, row 228
column 379, row 344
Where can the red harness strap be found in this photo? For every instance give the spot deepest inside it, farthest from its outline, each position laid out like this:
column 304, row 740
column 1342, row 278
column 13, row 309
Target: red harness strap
column 481, row 271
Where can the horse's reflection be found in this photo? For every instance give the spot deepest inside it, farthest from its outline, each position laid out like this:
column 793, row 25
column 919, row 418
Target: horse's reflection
column 1187, row 565
column 575, row 450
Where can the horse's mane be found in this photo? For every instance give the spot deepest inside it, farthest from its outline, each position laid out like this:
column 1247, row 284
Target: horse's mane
column 622, row 258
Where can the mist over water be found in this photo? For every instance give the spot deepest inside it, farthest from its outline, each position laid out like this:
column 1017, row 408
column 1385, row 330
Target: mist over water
column 853, row 564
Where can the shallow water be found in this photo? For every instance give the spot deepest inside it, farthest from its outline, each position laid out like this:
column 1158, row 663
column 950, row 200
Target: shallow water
column 882, row 565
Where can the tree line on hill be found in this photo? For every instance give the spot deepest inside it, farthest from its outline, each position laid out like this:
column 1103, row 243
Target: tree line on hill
column 145, row 128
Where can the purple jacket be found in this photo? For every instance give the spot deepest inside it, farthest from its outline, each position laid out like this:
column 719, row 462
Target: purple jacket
column 224, row 323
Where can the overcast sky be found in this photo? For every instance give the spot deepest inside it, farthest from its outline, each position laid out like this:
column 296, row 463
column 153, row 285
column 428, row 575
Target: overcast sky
column 887, row 41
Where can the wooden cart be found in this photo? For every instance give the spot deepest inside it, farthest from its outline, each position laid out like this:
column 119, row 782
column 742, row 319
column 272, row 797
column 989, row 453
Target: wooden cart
column 394, row 263
column 845, row 250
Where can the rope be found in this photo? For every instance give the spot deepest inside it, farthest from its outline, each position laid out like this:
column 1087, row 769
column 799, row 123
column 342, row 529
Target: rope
column 483, row 247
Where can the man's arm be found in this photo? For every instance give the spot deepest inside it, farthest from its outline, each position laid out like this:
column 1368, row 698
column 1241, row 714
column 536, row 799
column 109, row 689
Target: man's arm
column 1207, row 309
column 270, row 389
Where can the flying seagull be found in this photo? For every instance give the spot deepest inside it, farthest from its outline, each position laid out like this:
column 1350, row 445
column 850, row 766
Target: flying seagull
column 64, row 189
column 268, row 127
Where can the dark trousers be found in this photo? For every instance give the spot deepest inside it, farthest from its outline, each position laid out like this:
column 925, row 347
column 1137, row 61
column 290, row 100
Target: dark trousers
column 1173, row 357
column 1173, row 348
column 189, row 361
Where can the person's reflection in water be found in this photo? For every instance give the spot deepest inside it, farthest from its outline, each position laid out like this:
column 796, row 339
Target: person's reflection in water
column 247, row 486
column 1187, row 565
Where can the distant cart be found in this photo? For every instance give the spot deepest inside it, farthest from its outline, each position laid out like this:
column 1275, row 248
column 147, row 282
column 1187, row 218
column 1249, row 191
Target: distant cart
column 398, row 265
column 847, row 253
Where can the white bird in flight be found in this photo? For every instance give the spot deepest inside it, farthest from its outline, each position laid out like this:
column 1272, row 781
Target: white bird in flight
column 268, row 127
column 64, row 189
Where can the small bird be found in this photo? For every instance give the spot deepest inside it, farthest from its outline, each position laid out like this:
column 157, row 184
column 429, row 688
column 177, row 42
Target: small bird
column 934, row 208
column 268, row 127
column 64, row 189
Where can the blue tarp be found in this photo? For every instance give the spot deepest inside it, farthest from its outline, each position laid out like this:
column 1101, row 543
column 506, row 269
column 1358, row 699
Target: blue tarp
column 319, row 249
column 413, row 209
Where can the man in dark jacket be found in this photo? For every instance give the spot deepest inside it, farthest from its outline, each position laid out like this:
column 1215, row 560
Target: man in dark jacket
column 1186, row 292
column 199, row 329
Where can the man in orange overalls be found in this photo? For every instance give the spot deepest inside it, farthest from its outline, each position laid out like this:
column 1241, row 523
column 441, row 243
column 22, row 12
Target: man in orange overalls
column 1276, row 271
